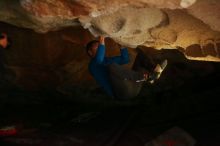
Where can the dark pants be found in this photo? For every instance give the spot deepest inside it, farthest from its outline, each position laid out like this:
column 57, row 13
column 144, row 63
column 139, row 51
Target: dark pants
column 123, row 80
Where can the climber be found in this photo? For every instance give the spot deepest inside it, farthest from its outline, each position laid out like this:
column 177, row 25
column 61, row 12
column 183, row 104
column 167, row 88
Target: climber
column 118, row 81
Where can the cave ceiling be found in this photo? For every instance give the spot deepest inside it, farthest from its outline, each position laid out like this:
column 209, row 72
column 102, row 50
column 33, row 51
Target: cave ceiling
column 192, row 26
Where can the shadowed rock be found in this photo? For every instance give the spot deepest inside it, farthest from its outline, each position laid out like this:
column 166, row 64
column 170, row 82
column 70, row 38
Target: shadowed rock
column 218, row 48
column 194, row 51
column 209, row 49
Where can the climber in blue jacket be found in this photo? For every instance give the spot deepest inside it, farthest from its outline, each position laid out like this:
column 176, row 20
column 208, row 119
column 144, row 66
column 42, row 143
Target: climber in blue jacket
column 118, row 81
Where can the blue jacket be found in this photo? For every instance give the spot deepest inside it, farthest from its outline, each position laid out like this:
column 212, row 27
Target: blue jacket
column 98, row 67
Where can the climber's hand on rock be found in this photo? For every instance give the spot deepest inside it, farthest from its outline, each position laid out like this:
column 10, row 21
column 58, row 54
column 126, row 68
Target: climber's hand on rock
column 102, row 40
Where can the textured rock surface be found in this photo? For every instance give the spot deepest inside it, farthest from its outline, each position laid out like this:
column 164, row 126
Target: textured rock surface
column 155, row 23
column 207, row 11
column 42, row 16
column 126, row 28
column 49, row 15
column 182, row 33
column 159, row 29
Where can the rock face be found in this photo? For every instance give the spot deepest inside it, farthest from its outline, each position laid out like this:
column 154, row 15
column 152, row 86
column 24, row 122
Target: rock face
column 42, row 16
column 50, row 15
column 207, row 11
column 126, row 28
column 156, row 23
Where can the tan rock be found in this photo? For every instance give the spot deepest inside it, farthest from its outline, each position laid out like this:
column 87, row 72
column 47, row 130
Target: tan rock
column 129, row 29
column 208, row 12
column 153, row 23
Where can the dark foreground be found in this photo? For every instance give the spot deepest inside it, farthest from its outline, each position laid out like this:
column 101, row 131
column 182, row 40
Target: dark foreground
column 184, row 97
column 59, row 121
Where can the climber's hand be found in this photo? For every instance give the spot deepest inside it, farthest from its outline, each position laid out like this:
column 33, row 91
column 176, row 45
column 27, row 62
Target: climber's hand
column 102, row 40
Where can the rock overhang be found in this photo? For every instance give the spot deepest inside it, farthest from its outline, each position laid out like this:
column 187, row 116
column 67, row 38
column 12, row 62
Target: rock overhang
column 160, row 24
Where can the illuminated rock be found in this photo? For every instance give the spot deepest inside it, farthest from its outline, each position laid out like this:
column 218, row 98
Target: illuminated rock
column 153, row 23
